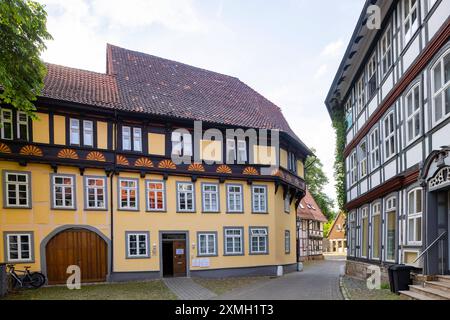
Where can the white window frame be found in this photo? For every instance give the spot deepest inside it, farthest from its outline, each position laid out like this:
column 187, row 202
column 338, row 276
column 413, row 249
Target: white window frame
column 431, row 4
column 242, row 151
column 88, row 133
column 126, row 138
column 413, row 113
column 365, row 215
column 138, row 242
column 233, row 195
column 187, row 145
column 186, row 193
column 415, row 214
column 260, row 198
column 287, row 242
column 390, row 147
column 17, row 184
column 360, row 94
column 154, row 192
column 95, row 188
column 374, row 142
column 376, row 212
column 208, row 197
column 352, row 237
column 408, row 19
column 234, row 238
column 349, row 112
column 231, row 149
column 391, row 208
column 353, row 168
column 3, row 120
column 19, row 247
column 386, row 52
column 24, row 123
column 137, row 139
column 371, row 73
column 75, row 138
column 362, row 160
column 287, row 204
column 439, row 93
column 128, row 189
column 207, row 251
column 262, row 236
column 64, row 187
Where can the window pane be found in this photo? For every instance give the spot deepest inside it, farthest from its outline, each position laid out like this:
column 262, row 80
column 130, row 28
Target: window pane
column 437, row 78
column 447, row 68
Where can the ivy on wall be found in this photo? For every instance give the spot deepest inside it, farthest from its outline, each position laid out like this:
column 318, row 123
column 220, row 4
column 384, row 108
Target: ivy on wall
column 340, row 126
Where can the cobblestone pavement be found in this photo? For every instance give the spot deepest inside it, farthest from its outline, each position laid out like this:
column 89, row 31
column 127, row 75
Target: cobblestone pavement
column 357, row 290
column 318, row 281
column 187, row 289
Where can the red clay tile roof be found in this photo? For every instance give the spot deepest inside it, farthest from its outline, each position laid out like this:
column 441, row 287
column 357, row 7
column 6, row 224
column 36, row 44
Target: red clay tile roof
column 139, row 82
column 80, row 86
column 309, row 210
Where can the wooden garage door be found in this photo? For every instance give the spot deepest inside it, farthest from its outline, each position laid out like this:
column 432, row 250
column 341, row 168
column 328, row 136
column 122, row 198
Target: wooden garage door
column 78, row 247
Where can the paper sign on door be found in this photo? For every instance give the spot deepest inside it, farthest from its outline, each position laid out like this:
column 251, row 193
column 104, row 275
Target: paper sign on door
column 179, row 252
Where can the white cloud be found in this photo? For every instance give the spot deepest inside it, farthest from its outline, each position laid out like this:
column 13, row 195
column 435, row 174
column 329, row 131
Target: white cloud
column 333, row 49
column 322, row 70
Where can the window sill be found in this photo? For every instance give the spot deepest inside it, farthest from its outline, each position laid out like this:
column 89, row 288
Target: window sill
column 95, row 209
column 17, row 207
column 207, row 255
column 138, row 258
column 235, row 212
column 63, row 209
column 259, row 253
column 234, row 254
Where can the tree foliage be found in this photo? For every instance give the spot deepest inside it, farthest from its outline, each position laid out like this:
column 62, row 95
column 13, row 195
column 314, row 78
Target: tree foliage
column 22, row 34
column 316, row 180
column 340, row 125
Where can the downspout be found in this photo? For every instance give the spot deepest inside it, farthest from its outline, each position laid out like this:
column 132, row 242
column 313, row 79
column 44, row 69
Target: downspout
column 111, row 182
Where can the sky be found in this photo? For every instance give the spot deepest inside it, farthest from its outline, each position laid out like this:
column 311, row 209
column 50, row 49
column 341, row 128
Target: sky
column 287, row 50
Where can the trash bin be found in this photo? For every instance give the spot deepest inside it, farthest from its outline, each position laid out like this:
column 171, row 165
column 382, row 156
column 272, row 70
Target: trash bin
column 3, row 280
column 400, row 277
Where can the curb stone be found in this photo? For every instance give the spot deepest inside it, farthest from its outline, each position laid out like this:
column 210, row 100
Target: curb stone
column 343, row 289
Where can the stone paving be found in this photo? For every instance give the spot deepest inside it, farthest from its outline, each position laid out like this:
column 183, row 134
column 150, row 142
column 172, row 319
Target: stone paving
column 357, row 290
column 187, row 289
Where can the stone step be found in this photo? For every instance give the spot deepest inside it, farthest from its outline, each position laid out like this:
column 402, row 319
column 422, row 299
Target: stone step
column 411, row 295
column 440, row 285
column 445, row 279
column 435, row 294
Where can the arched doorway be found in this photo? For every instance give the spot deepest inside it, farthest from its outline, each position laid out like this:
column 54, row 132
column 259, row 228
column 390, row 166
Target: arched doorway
column 76, row 246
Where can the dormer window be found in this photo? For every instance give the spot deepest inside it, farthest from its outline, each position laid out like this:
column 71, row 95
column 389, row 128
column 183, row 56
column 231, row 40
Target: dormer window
column 181, row 144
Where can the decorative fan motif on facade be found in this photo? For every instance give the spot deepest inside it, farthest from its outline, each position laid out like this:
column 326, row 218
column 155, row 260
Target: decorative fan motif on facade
column 144, row 163
column 67, row 154
column 167, row 164
column 196, row 167
column 31, row 151
column 441, row 178
column 224, row 169
column 250, row 171
column 4, row 148
column 96, row 156
column 121, row 160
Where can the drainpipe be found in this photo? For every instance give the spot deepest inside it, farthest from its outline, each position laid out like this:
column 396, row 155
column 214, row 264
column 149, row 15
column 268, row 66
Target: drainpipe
column 111, row 182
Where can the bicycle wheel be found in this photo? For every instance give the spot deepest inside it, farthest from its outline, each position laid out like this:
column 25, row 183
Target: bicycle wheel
column 37, row 280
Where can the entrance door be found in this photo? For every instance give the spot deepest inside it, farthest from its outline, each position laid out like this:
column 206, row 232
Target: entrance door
column 179, row 258
column 79, row 247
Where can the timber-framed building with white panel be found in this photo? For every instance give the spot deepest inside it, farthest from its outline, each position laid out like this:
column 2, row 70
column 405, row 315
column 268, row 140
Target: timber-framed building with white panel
column 394, row 86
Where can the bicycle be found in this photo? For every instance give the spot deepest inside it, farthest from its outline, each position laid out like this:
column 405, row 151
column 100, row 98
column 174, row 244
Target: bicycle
column 28, row 279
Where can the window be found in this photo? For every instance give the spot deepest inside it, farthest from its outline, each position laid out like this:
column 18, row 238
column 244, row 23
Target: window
column 126, row 138
column 231, row 150
column 95, row 193
column 137, row 139
column 365, row 232
column 353, row 169
column 441, row 88
column 156, row 197
column 137, row 245
column 292, row 162
column 287, row 204
column 259, row 196
column 352, row 236
column 234, row 241
column 63, row 192
column 431, row 4
column 88, row 133
column 372, row 76
column 413, row 115
column 376, row 231
column 374, row 149
column 6, row 125
column 19, row 247
column 410, row 18
column 349, row 113
column 287, row 242
column 181, row 144
column 207, row 244
column 129, row 194
column 391, row 218
column 258, row 241
column 389, row 136
column 362, row 158
column 74, row 131
column 23, row 126
column 185, row 197
column 415, row 216
column 210, row 196
column 360, row 95
column 234, row 199
column 17, row 190
column 386, row 52
column 242, row 151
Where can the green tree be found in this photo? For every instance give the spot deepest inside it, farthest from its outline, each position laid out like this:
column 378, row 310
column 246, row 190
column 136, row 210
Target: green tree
column 22, row 34
column 340, row 125
column 316, row 180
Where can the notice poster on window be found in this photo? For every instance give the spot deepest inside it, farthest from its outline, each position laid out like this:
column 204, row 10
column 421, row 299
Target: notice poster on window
column 179, row 252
